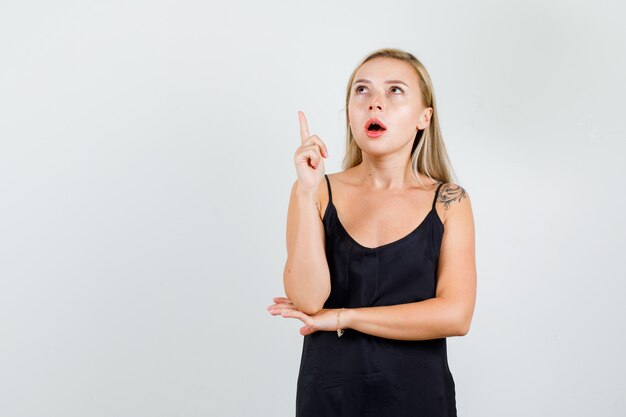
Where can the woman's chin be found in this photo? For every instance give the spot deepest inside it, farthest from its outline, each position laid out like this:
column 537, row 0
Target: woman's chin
column 378, row 147
column 378, row 151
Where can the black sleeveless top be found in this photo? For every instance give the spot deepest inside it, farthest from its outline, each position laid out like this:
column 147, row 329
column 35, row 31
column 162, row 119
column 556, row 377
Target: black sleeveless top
column 360, row 375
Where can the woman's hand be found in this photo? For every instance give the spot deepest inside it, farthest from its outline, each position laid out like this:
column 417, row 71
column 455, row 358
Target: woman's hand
column 325, row 319
column 308, row 158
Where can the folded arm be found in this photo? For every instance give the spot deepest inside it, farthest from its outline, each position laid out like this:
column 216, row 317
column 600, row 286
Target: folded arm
column 450, row 312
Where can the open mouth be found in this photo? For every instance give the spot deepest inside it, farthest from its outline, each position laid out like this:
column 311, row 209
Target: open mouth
column 374, row 125
column 374, row 128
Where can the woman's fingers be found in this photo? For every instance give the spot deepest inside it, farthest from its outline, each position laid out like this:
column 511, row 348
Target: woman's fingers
column 305, row 136
column 304, row 127
column 299, row 315
column 306, row 330
column 278, row 310
column 280, row 303
column 285, row 309
column 275, row 311
column 314, row 157
column 315, row 140
column 313, row 150
column 309, row 155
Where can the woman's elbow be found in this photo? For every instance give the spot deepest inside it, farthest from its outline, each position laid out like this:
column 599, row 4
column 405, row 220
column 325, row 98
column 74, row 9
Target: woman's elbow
column 308, row 304
column 463, row 325
column 316, row 306
column 309, row 307
column 463, row 330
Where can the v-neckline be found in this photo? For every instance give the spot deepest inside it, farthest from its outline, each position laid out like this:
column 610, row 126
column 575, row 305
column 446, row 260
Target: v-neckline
column 386, row 245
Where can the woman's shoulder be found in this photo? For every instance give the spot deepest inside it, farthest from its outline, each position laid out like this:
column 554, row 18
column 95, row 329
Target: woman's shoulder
column 323, row 194
column 345, row 177
column 450, row 193
column 453, row 203
column 327, row 184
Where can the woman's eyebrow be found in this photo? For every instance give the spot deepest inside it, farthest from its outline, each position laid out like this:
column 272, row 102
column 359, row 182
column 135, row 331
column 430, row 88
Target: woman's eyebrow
column 362, row 80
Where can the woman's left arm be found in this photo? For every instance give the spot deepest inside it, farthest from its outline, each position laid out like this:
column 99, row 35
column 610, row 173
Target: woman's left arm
column 450, row 312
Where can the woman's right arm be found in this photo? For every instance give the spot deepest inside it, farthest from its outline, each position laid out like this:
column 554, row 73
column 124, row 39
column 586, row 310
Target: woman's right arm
column 306, row 277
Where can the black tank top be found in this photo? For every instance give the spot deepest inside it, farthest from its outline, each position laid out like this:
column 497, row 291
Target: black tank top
column 362, row 375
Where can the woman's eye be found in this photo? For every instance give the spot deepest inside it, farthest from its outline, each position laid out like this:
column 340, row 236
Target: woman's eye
column 359, row 89
column 396, row 88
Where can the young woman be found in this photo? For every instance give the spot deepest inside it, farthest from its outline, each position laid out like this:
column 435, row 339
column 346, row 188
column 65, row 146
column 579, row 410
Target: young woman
column 381, row 265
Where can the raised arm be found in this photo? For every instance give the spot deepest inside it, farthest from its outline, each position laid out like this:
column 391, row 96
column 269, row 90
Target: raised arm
column 306, row 277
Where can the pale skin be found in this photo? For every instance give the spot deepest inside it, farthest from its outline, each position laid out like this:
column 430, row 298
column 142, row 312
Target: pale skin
column 378, row 202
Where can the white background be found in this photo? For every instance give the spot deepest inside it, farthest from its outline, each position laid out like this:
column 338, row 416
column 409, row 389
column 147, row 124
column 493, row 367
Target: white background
column 145, row 166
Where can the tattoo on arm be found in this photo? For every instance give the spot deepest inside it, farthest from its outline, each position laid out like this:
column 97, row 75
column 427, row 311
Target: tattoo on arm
column 450, row 193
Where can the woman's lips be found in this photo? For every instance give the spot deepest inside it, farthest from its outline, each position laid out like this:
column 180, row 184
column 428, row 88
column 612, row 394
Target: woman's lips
column 375, row 133
column 374, row 120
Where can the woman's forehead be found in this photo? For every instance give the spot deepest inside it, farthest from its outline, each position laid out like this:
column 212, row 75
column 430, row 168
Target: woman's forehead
column 384, row 69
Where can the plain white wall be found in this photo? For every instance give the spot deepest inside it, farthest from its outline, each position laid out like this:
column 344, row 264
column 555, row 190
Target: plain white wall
column 145, row 166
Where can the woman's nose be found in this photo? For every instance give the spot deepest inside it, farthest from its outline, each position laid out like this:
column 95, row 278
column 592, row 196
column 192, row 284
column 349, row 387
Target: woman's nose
column 376, row 104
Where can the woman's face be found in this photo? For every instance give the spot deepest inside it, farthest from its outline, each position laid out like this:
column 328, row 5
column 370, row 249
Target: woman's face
column 386, row 90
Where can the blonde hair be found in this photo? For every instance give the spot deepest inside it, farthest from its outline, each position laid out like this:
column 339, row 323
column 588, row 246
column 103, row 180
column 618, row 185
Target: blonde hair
column 428, row 155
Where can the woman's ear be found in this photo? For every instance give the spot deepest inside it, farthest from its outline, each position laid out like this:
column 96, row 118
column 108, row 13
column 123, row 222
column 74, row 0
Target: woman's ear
column 424, row 120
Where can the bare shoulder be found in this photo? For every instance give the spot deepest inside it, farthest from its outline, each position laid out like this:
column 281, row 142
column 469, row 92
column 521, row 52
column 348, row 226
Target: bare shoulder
column 455, row 202
column 322, row 196
column 338, row 180
column 451, row 193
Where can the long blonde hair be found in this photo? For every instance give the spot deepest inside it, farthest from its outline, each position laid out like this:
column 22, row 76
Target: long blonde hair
column 428, row 155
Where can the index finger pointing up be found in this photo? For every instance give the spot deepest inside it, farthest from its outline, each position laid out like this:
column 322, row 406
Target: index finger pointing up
column 304, row 127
